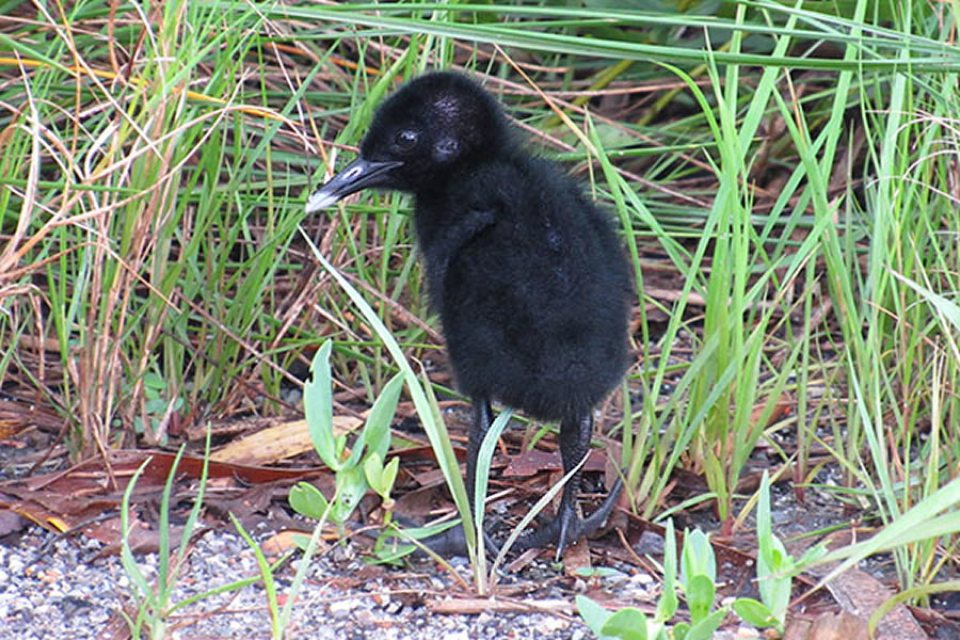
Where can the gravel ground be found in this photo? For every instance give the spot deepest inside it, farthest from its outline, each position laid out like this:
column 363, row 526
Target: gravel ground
column 71, row 587
column 65, row 588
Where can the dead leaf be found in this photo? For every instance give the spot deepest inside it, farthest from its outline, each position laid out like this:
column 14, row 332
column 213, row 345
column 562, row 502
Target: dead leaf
column 576, row 559
column 530, row 463
column 280, row 543
column 278, row 442
column 11, row 522
column 859, row 594
column 831, row 626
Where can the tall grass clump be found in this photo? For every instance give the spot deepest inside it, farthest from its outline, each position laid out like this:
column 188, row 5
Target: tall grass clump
column 902, row 326
column 139, row 217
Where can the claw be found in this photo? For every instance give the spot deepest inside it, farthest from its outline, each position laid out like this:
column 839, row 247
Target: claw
column 568, row 527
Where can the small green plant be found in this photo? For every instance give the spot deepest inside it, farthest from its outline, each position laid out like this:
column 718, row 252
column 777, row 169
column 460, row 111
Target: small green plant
column 630, row 623
column 697, row 582
column 358, row 469
column 421, row 393
column 153, row 603
column 157, row 408
column 775, row 567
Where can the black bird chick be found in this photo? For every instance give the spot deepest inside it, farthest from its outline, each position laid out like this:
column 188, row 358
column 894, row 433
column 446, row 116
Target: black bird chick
column 528, row 276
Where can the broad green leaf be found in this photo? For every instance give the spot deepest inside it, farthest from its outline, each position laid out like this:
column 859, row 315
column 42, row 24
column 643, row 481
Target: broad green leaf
column 307, row 500
column 774, row 564
column 628, row 624
column 698, row 558
column 680, row 630
column 700, row 594
column 593, row 614
column 389, row 476
column 351, row 487
column 380, row 477
column 754, row 612
column 774, row 579
column 704, row 629
column 373, row 471
column 375, row 436
column 155, row 381
column 318, row 407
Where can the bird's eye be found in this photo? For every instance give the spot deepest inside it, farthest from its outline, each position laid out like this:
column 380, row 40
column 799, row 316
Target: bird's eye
column 406, row 139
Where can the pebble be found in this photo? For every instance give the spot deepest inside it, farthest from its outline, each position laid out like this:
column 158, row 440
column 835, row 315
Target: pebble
column 642, row 579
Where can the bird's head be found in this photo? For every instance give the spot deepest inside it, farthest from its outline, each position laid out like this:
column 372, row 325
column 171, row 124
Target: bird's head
column 420, row 136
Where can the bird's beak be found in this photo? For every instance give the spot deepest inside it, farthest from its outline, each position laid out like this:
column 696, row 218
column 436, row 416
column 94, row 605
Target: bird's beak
column 357, row 175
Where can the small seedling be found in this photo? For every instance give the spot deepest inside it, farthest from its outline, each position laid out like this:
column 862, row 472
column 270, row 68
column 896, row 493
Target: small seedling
column 154, row 602
column 631, row 623
column 358, row 469
column 157, row 409
column 698, row 581
column 775, row 568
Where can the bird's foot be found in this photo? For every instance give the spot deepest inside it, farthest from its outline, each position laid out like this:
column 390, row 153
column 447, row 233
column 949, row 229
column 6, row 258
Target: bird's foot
column 453, row 542
column 568, row 526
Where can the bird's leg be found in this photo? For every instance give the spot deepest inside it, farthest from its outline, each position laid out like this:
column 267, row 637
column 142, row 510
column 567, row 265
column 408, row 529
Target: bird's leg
column 453, row 542
column 574, row 445
column 482, row 419
column 568, row 526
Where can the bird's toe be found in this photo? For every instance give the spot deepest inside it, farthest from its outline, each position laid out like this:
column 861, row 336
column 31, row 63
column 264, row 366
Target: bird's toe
column 568, row 526
column 453, row 542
